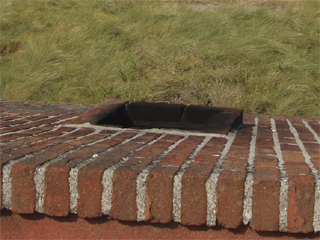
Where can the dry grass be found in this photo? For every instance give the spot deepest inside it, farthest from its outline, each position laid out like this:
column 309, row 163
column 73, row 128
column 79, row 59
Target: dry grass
column 263, row 58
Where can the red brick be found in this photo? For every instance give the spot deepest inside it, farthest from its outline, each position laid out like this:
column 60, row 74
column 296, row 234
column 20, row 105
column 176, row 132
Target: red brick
column 8, row 156
column 159, row 194
column 24, row 133
column 214, row 144
column 204, row 157
column 300, row 203
column 89, row 202
column 248, row 118
column 13, row 122
column 147, row 137
column 126, row 135
column 266, row 160
column 48, row 121
column 188, row 145
column 173, row 138
column 56, row 191
column 316, row 163
column 185, row 148
column 314, row 124
column 230, row 191
column 124, row 189
column 33, row 139
column 28, row 192
column 238, row 153
column 23, row 189
column 151, row 151
column 73, row 135
column 292, row 156
column 231, row 165
column 313, row 149
column 266, row 199
column 306, row 137
column 194, row 197
column 57, row 172
column 265, row 151
column 289, row 147
column 265, row 142
column 174, row 159
column 90, row 192
column 297, row 168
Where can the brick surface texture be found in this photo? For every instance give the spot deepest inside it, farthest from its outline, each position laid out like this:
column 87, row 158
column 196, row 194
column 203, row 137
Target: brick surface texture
column 49, row 162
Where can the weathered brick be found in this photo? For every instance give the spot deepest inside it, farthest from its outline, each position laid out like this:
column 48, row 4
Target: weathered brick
column 266, row 160
column 266, row 199
column 305, row 136
column 173, row 138
column 300, row 203
column 159, row 194
column 33, row 139
column 264, row 141
column 293, row 156
column 206, row 157
column 316, row 162
column 233, row 164
column 89, row 205
column 90, row 192
column 25, row 133
column 23, row 189
column 30, row 164
column 188, row 145
column 313, row 123
column 230, row 191
column 238, row 153
column 249, row 118
column 73, row 135
column 194, row 197
column 13, row 122
column 265, row 151
column 47, row 121
column 56, row 201
column 124, row 189
column 154, row 150
column 89, row 202
column 297, row 168
column 56, row 174
column 214, row 145
column 8, row 156
column 174, row 159
column 313, row 149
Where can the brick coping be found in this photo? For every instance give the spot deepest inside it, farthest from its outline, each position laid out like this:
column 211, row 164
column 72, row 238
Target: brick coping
column 265, row 175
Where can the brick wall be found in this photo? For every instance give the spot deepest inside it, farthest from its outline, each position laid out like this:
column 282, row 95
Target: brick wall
column 265, row 175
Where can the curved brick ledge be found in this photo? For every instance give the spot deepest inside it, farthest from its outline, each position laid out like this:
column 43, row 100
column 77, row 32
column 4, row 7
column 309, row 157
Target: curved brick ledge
column 265, row 175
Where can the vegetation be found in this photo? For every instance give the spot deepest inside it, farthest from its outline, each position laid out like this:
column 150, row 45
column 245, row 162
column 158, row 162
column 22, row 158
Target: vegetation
column 261, row 57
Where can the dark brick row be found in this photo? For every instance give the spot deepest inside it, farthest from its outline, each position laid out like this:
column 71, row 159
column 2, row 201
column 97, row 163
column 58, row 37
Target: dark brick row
column 163, row 115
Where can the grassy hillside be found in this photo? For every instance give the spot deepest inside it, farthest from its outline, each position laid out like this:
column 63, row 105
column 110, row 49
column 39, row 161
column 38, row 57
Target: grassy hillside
column 263, row 58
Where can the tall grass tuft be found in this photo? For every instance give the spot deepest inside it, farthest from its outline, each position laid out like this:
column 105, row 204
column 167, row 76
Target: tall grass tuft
column 264, row 59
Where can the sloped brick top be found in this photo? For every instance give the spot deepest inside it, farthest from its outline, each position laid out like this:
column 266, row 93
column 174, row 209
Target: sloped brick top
column 265, row 175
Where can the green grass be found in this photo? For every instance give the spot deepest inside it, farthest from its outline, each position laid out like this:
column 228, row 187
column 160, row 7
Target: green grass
column 264, row 60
